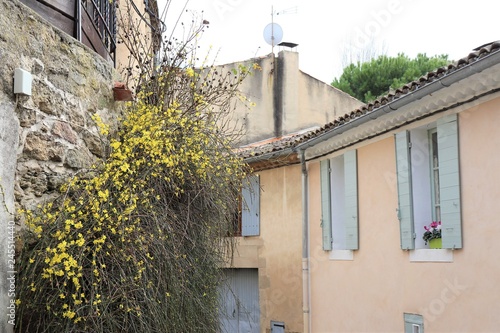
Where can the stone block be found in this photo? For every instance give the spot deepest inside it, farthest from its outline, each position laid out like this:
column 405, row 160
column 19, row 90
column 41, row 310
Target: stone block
column 78, row 159
column 94, row 143
column 64, row 131
column 42, row 147
column 35, row 182
column 27, row 117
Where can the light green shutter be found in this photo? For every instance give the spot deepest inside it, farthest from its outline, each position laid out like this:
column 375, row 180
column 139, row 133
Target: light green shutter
column 412, row 320
column 405, row 199
column 250, row 212
column 326, row 213
column 449, row 182
column 351, row 200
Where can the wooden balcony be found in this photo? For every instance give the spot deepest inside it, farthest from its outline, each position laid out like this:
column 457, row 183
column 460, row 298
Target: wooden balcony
column 92, row 22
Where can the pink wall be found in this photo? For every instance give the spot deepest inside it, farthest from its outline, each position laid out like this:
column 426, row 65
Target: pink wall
column 371, row 293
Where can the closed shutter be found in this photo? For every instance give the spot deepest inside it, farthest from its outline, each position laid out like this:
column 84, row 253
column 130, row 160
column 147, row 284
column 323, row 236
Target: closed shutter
column 351, row 200
column 250, row 212
column 326, row 213
column 449, row 182
column 405, row 200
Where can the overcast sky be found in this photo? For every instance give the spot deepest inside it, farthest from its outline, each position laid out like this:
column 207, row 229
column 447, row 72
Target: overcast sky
column 324, row 29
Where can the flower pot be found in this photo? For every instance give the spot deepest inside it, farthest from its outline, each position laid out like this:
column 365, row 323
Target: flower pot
column 436, row 243
column 121, row 93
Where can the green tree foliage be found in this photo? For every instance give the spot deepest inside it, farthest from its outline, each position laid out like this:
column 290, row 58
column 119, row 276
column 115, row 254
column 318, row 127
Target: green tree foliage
column 366, row 81
column 136, row 243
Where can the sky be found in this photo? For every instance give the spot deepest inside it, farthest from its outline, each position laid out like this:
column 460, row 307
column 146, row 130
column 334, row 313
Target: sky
column 328, row 32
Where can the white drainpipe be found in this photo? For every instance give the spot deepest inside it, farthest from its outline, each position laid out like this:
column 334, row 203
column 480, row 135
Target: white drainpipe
column 306, row 295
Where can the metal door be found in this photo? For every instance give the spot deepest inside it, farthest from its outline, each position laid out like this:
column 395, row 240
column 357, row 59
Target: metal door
column 240, row 301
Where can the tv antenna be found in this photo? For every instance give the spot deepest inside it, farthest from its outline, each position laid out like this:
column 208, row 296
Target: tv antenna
column 273, row 33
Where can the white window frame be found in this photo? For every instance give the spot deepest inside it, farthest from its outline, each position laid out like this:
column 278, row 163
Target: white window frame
column 340, row 205
column 415, row 204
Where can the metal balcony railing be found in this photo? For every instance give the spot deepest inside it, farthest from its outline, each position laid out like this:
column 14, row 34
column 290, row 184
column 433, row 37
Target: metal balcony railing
column 93, row 22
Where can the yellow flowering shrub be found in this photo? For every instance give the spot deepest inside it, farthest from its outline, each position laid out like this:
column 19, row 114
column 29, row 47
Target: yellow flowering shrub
column 136, row 243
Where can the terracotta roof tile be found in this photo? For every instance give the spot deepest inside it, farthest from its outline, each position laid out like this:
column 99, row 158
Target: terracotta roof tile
column 270, row 145
column 407, row 88
column 288, row 141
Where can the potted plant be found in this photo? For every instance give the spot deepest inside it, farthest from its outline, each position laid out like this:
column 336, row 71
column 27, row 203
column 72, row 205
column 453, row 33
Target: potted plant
column 432, row 235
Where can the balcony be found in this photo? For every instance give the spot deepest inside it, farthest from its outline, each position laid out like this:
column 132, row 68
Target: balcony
column 92, row 22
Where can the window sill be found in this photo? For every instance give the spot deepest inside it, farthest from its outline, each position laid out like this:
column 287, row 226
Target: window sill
column 431, row 255
column 346, row 255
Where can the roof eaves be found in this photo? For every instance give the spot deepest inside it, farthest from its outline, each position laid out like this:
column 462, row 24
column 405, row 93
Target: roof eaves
column 427, row 84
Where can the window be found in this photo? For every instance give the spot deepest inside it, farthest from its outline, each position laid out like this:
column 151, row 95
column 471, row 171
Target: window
column 339, row 202
column 434, row 174
column 414, row 323
column 248, row 222
column 429, row 183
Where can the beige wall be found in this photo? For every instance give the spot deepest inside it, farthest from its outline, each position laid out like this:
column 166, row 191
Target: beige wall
column 321, row 103
column 371, row 293
column 277, row 252
column 127, row 18
column 286, row 99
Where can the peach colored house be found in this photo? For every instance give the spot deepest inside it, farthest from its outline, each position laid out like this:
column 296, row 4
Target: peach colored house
column 266, row 272
column 366, row 186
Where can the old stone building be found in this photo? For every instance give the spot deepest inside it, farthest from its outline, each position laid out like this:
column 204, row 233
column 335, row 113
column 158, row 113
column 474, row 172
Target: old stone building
column 48, row 130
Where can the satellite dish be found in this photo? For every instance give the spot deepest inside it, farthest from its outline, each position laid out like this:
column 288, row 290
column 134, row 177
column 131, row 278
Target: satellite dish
column 273, row 34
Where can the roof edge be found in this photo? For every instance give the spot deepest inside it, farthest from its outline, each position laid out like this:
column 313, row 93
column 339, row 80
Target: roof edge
column 445, row 81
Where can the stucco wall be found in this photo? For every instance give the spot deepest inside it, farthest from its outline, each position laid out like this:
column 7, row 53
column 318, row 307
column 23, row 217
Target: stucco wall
column 277, row 252
column 322, row 102
column 286, row 99
column 131, row 28
column 371, row 293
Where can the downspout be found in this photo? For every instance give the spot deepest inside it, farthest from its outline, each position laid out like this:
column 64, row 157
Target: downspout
column 306, row 296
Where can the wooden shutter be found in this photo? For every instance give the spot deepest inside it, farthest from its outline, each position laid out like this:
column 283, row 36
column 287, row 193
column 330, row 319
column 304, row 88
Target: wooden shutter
column 405, row 199
column 449, row 182
column 351, row 200
column 326, row 208
column 250, row 212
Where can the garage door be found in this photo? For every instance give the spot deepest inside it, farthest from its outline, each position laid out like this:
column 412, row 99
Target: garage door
column 240, row 301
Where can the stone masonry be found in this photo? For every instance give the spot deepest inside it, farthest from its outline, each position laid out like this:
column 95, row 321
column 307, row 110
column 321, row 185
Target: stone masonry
column 57, row 135
column 47, row 137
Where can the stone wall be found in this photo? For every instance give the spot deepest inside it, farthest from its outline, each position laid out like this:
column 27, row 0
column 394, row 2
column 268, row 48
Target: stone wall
column 57, row 135
column 48, row 136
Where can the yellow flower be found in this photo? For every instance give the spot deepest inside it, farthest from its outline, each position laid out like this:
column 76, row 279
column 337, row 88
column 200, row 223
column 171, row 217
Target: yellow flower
column 189, row 72
column 69, row 314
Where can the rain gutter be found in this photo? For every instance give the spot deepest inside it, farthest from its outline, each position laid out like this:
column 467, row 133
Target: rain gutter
column 270, row 155
column 428, row 89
